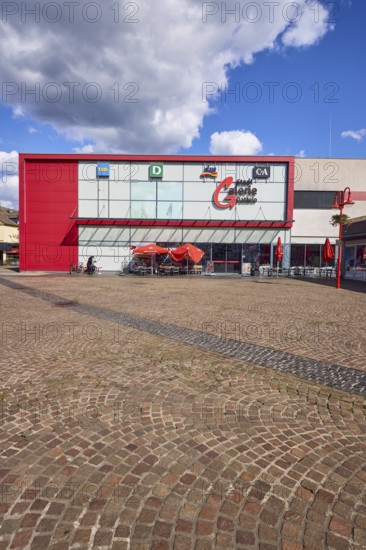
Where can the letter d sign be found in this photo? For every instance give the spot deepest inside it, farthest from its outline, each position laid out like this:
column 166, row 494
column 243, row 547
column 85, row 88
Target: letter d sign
column 156, row 170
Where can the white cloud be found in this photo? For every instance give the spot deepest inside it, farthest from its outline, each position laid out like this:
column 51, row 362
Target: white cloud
column 32, row 130
column 8, row 204
column 301, row 153
column 7, row 159
column 85, row 149
column 310, row 23
column 235, row 142
column 9, row 179
column 136, row 86
column 354, row 134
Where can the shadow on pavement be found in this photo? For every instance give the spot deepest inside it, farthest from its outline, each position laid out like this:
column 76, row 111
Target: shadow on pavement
column 346, row 284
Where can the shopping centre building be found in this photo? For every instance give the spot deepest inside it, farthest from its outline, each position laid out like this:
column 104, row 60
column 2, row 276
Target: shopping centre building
column 232, row 207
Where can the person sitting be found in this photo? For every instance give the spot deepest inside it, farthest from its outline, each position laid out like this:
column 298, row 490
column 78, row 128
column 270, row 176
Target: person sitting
column 90, row 267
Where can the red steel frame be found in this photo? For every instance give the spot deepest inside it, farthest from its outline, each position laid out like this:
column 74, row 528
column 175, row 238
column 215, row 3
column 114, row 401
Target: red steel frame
column 48, row 200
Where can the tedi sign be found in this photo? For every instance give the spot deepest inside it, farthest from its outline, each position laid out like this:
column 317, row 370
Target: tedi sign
column 241, row 193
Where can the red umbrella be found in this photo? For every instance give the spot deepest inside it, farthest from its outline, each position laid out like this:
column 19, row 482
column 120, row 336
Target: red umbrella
column 187, row 251
column 150, row 249
column 279, row 250
column 328, row 252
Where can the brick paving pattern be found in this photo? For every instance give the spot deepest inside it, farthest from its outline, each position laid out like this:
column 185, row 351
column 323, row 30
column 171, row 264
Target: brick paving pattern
column 126, row 424
column 346, row 379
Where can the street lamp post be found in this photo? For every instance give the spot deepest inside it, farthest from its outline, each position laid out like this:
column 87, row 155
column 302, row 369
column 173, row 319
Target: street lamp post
column 341, row 199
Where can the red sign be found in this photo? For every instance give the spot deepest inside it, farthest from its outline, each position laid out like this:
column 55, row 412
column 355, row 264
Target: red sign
column 241, row 193
column 231, row 198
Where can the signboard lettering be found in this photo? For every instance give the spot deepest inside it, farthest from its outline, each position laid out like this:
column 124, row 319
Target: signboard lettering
column 261, row 172
column 241, row 193
column 156, row 170
column 209, row 171
column 103, row 169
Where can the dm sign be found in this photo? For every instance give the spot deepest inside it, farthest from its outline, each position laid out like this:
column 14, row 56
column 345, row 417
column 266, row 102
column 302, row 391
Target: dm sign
column 261, row 172
column 103, row 169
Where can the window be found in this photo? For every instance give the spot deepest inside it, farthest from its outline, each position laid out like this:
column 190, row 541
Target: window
column 314, row 199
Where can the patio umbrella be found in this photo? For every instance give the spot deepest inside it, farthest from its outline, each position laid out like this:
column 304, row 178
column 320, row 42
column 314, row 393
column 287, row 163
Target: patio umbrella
column 279, row 252
column 151, row 250
column 328, row 252
column 188, row 251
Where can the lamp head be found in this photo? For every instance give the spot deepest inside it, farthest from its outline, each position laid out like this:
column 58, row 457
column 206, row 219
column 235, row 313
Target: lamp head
column 349, row 200
column 335, row 205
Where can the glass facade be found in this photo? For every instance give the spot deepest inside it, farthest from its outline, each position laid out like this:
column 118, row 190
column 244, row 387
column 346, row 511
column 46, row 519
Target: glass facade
column 308, row 255
column 183, row 193
column 227, row 258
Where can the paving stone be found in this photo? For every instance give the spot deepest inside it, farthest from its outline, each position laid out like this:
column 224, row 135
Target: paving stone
column 143, row 427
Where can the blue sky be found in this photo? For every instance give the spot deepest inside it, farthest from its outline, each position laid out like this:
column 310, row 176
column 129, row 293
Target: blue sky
column 297, row 80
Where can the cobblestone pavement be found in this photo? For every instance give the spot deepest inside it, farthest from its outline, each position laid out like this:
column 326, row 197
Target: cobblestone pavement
column 121, row 429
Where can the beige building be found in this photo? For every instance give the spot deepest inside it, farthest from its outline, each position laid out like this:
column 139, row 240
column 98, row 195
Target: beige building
column 316, row 181
column 9, row 234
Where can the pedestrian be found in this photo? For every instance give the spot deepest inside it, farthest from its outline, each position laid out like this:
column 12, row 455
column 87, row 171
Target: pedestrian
column 90, row 267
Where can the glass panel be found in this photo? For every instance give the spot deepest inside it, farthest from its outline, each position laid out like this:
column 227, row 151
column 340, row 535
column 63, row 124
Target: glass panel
column 263, row 255
column 206, row 247
column 170, row 210
column 219, row 257
column 361, row 256
column 297, row 255
column 143, row 209
column 252, row 253
column 170, row 191
column 143, row 190
column 233, row 262
column 312, row 255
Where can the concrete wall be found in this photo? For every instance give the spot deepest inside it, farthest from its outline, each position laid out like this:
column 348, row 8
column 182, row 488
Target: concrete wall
column 316, row 174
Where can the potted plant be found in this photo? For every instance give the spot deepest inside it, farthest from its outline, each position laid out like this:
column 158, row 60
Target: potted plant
column 340, row 220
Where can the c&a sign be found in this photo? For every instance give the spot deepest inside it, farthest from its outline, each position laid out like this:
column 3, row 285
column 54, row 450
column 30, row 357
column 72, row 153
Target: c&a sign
column 241, row 193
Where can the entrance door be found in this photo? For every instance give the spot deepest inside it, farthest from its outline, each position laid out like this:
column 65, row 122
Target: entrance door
column 226, row 258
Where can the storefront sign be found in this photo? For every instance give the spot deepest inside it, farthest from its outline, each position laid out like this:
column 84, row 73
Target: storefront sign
column 261, row 172
column 241, row 193
column 103, row 169
column 209, row 171
column 156, row 170
column 245, row 268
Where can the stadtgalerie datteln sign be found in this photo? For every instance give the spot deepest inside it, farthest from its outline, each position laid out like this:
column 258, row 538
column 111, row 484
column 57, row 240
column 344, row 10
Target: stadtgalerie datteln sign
column 103, row 169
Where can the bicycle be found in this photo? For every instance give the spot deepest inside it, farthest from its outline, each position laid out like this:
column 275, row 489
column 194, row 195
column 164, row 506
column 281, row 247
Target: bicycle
column 75, row 268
